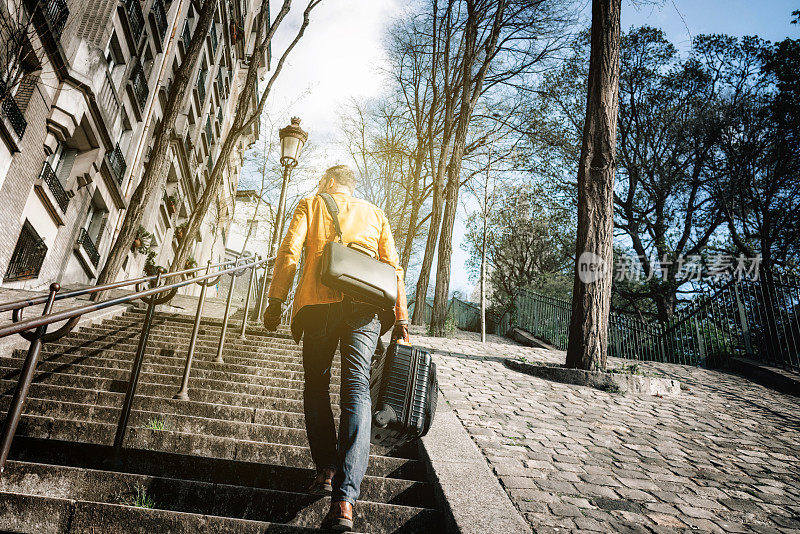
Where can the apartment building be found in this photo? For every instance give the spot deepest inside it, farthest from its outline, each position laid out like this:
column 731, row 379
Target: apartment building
column 77, row 133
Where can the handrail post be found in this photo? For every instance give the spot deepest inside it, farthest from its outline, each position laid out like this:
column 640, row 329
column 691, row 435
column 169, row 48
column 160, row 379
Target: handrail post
column 183, row 394
column 136, row 369
column 247, row 302
column 263, row 292
column 24, row 384
column 219, row 359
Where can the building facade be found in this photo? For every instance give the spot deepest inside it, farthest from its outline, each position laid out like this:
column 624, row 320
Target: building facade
column 76, row 134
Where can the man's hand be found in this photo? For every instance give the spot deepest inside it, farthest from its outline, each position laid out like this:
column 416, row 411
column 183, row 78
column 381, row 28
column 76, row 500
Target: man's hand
column 400, row 333
column 272, row 315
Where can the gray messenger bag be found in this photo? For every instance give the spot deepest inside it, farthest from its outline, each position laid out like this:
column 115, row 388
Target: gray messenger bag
column 353, row 271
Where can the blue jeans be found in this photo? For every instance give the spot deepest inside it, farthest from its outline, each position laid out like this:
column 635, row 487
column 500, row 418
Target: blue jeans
column 355, row 328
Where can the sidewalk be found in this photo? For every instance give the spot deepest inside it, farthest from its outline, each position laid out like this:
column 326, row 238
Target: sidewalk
column 722, row 456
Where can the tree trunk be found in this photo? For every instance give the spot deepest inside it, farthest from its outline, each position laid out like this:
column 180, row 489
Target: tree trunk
column 430, row 248
column 155, row 174
column 591, row 297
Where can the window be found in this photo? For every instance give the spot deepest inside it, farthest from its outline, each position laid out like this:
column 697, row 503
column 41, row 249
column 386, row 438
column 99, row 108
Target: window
column 28, row 256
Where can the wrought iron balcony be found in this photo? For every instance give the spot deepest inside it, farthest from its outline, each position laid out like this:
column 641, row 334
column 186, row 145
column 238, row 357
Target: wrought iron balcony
column 28, row 256
column 221, row 84
column 140, row 88
column 186, row 36
column 56, row 12
column 135, row 18
column 209, row 133
column 49, row 177
column 117, row 163
column 89, row 246
column 12, row 112
column 161, row 18
column 201, row 86
column 214, row 40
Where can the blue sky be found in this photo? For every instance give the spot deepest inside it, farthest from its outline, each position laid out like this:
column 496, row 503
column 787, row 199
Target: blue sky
column 341, row 57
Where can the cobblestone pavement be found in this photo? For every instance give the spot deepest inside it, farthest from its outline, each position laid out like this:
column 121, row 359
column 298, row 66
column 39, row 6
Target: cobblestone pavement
column 723, row 456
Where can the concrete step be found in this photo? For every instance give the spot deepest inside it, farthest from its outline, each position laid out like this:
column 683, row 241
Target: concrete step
column 162, row 363
column 149, row 383
column 202, row 402
column 193, row 444
column 49, row 515
column 265, row 360
column 203, row 369
column 404, row 490
column 189, row 496
column 253, row 328
column 129, row 341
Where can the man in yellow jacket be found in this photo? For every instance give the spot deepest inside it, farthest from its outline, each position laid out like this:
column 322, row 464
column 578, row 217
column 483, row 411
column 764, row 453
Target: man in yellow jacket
column 325, row 319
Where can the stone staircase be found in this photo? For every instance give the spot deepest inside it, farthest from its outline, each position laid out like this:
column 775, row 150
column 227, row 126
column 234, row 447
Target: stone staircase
column 234, row 458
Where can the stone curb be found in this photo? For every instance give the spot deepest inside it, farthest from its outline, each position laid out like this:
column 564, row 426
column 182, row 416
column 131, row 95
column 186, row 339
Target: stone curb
column 469, row 493
column 618, row 382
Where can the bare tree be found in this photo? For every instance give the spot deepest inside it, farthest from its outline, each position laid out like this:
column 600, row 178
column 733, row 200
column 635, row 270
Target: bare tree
column 155, row 173
column 243, row 119
column 591, row 295
column 21, row 51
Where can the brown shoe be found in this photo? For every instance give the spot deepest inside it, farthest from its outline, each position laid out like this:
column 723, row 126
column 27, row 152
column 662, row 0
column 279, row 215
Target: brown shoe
column 339, row 517
column 323, row 482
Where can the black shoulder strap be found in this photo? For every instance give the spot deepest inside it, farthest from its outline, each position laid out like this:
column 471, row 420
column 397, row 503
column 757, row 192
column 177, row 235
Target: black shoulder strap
column 333, row 209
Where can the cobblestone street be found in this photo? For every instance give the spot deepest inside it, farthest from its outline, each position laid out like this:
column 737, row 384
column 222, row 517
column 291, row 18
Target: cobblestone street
column 722, row 456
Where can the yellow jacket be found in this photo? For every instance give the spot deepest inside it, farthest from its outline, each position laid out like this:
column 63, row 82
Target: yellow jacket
column 312, row 227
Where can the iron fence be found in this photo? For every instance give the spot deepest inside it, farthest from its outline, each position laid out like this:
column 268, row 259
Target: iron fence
column 757, row 319
column 88, row 245
column 116, row 160
column 56, row 187
column 56, row 13
column 140, row 89
column 160, row 17
column 135, row 18
column 11, row 110
column 28, row 256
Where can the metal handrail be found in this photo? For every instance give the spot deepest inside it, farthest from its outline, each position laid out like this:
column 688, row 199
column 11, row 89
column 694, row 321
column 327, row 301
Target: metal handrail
column 35, row 329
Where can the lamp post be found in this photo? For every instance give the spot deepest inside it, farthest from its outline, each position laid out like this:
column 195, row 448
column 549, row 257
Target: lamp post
column 292, row 140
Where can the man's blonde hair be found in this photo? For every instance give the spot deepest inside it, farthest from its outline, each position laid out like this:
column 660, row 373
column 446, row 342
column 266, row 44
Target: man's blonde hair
column 343, row 175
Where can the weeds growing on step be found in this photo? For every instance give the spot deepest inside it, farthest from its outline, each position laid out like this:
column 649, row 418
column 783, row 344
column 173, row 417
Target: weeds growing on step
column 137, row 497
column 155, row 424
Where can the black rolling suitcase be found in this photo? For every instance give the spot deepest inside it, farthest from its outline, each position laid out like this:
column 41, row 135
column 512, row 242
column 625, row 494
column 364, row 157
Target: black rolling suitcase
column 404, row 391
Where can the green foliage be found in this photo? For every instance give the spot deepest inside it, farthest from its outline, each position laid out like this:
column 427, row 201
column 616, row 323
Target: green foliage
column 145, row 239
column 137, row 497
column 529, row 244
column 156, row 423
column 610, row 388
column 150, row 267
column 629, row 369
column 191, row 263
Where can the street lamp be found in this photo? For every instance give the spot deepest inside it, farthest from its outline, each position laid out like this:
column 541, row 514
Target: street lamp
column 292, row 140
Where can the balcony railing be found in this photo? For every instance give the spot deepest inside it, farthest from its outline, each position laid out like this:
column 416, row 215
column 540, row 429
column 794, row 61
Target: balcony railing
column 161, row 18
column 135, row 18
column 117, row 163
column 49, row 177
column 89, row 246
column 214, row 40
column 56, row 12
column 186, row 37
column 209, row 134
column 28, row 256
column 12, row 111
column 140, row 88
column 201, row 86
column 221, row 84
